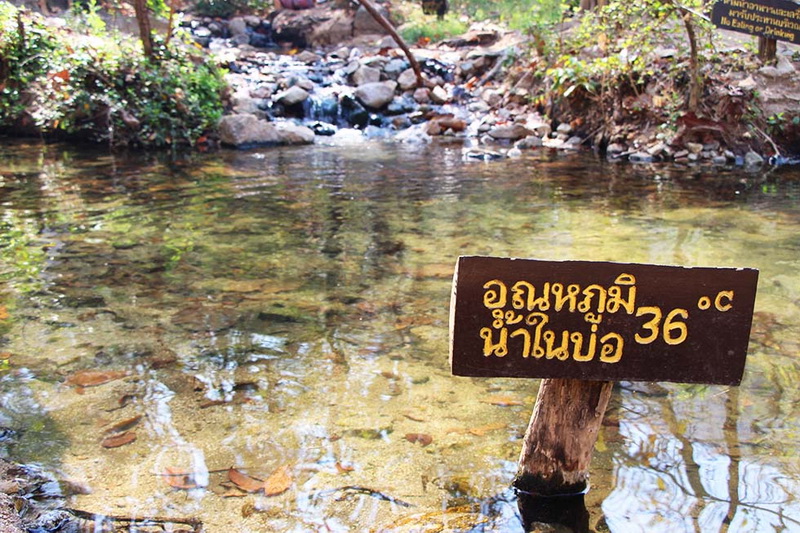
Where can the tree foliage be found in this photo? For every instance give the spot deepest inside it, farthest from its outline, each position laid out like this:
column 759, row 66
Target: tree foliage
column 60, row 83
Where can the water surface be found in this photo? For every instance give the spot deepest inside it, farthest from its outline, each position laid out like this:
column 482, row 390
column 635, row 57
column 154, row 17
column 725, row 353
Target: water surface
column 283, row 312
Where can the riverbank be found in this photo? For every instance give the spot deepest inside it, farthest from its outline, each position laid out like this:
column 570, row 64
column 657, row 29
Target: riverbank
column 296, row 76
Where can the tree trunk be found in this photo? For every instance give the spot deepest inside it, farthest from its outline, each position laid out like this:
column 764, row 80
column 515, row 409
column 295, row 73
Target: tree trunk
column 143, row 20
column 559, row 442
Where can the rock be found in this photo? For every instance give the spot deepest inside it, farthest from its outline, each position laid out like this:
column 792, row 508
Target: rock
column 439, row 95
column 308, row 57
column 719, row 160
column 395, row 67
column 10, row 521
column 784, row 67
column 729, row 155
column 422, row 95
column 514, row 152
column 304, row 83
column 681, row 154
column 290, row 133
column 564, row 128
column 511, row 132
column 641, row 157
column 531, row 141
column 747, row 84
column 615, row 148
column 752, row 160
column 365, row 23
column 573, row 142
column 337, row 29
column 237, row 26
column 478, row 106
column 491, row 97
column 202, row 36
column 217, row 29
column 246, row 130
column 694, row 148
column 240, row 39
column 291, row 96
column 657, row 149
column 365, row 74
column 252, row 20
column 376, row 95
column 407, row 80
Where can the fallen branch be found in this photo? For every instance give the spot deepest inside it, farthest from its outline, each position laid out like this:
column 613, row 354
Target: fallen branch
column 396, row 36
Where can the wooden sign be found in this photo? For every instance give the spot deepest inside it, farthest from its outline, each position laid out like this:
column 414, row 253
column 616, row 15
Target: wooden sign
column 773, row 19
column 600, row 321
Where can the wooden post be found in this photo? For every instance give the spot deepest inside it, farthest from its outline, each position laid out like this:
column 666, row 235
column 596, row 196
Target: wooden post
column 558, row 445
column 767, row 48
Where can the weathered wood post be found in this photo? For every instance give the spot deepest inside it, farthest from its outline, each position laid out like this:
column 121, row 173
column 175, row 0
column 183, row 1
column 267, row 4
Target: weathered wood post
column 583, row 325
column 558, row 445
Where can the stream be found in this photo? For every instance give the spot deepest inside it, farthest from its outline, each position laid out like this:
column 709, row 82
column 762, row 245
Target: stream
column 258, row 340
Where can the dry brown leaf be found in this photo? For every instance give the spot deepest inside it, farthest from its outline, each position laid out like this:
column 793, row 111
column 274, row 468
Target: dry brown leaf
column 414, row 417
column 502, row 401
column 120, row 439
column 244, row 482
column 3, row 312
column 422, row 438
column 124, row 424
column 180, row 479
column 278, row 482
column 92, row 378
column 344, row 469
column 483, row 430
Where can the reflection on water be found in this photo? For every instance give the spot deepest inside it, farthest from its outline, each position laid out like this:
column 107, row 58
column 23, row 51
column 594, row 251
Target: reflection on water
column 259, row 339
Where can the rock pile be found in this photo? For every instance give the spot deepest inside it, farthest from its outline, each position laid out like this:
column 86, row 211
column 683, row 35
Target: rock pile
column 348, row 75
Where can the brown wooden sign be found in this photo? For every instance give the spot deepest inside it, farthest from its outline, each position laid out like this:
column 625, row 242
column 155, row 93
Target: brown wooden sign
column 773, row 19
column 600, row 321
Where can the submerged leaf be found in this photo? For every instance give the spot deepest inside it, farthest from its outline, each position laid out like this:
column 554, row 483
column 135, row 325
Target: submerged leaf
column 502, row 401
column 278, row 482
column 244, row 482
column 179, row 479
column 92, row 378
column 422, row 438
column 124, row 424
column 120, row 439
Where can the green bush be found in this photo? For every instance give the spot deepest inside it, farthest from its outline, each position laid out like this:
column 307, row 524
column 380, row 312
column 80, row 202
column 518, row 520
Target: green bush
column 105, row 91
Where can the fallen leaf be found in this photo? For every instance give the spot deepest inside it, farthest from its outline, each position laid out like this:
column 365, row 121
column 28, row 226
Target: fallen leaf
column 483, row 430
column 244, row 482
column 278, row 482
column 179, row 479
column 344, row 469
column 124, row 424
column 92, row 378
column 3, row 312
column 502, row 401
column 120, row 439
column 422, row 438
column 414, row 417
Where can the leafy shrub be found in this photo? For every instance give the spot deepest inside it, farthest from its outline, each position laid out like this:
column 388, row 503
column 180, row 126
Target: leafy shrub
column 107, row 92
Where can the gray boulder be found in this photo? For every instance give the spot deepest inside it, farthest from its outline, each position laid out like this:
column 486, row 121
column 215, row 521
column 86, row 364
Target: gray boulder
column 246, row 129
column 376, row 95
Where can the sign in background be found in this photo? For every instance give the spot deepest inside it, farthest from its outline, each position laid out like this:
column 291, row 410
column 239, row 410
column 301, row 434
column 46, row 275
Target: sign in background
column 600, row 321
column 774, row 19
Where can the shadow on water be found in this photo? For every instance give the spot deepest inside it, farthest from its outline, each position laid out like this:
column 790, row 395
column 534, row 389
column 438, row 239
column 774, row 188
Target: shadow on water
column 284, row 313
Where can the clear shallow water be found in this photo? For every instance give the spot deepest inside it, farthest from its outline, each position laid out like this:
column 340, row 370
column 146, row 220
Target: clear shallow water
column 284, row 312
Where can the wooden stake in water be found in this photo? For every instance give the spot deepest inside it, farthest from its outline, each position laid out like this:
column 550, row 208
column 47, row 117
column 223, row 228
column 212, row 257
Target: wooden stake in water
column 558, row 445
